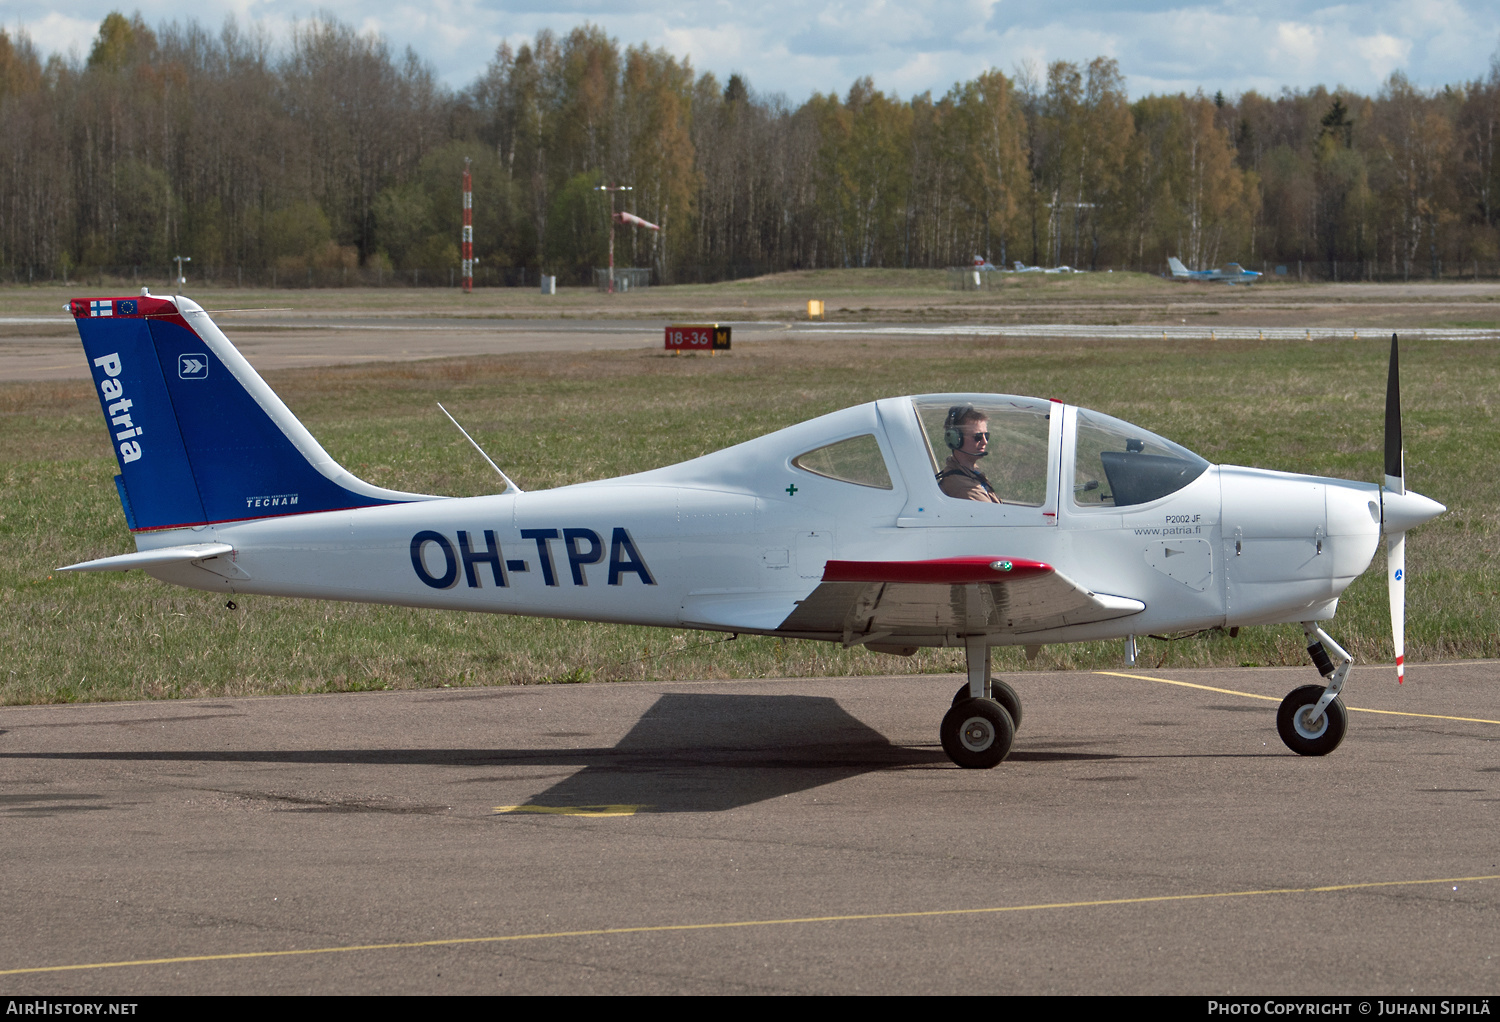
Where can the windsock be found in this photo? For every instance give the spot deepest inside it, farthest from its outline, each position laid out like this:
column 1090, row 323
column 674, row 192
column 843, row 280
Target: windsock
column 631, row 218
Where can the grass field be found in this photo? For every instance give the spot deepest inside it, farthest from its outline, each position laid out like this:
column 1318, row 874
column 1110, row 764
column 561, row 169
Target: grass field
column 550, row 420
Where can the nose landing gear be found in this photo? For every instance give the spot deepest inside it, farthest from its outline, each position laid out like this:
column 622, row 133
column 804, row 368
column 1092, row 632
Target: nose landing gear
column 1312, row 719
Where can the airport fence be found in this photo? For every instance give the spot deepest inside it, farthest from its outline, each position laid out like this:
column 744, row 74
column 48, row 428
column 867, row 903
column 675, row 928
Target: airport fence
column 263, row 277
column 962, row 278
column 967, row 278
column 625, row 278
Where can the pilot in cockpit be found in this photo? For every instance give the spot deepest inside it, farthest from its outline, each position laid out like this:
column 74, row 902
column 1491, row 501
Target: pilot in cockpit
column 966, row 431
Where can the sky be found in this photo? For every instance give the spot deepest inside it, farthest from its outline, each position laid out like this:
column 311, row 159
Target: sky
column 798, row 47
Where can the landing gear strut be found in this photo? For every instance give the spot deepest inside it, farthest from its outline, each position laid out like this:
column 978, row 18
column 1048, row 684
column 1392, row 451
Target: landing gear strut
column 978, row 729
column 1312, row 719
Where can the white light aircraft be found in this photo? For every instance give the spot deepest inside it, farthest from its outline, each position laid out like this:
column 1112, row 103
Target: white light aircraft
column 1233, row 273
column 1023, row 268
column 836, row 529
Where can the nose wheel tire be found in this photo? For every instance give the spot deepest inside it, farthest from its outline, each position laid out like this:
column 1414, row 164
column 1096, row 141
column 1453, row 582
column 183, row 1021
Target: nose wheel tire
column 1305, row 734
column 977, row 733
column 1002, row 694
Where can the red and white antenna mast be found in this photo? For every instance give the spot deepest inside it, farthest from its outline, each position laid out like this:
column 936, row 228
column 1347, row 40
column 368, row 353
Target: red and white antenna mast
column 611, row 189
column 468, row 242
column 619, row 218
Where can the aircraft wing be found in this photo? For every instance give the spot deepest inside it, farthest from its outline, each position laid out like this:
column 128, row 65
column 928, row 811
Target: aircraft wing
column 886, row 600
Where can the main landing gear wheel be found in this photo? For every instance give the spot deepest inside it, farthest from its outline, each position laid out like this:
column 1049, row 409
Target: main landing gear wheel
column 977, row 733
column 1305, row 734
column 1002, row 694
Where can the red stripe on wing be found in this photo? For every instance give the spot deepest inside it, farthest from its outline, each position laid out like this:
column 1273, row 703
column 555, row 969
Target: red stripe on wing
column 943, row 571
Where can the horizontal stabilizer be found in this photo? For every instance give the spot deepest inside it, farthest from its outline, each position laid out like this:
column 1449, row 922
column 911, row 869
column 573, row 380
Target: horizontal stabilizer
column 153, row 558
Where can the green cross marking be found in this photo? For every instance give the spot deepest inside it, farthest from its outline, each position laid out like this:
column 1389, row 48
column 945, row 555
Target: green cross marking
column 791, row 490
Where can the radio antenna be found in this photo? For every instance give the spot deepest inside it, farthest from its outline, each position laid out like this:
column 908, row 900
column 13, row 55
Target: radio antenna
column 509, row 482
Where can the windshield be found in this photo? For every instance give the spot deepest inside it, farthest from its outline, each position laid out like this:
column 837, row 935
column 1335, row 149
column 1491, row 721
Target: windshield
column 1117, row 464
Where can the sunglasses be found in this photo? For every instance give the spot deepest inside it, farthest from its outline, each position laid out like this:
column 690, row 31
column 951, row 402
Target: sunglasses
column 985, row 436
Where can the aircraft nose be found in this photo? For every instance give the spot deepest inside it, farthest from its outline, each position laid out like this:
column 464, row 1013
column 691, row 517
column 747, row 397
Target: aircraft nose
column 1402, row 511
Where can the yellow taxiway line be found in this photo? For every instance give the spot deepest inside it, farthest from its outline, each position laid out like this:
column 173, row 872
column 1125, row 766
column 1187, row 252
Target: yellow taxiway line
column 1274, row 699
column 741, row 924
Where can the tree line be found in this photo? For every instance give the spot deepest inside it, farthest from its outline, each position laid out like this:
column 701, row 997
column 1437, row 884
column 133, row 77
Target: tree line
column 333, row 152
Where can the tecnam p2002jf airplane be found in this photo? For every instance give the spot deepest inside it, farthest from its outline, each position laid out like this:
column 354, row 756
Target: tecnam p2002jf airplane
column 836, row 529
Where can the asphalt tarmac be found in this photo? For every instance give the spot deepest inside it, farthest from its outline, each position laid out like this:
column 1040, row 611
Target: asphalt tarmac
column 1149, row 834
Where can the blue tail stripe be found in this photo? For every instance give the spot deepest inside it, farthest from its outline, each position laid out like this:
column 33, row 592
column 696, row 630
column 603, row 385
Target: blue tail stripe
column 142, row 426
column 244, row 464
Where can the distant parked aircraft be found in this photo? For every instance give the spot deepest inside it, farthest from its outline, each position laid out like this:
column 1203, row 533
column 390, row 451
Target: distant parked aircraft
column 1233, row 273
column 1023, row 268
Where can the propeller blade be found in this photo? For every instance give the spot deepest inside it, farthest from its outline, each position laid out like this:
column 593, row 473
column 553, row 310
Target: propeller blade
column 1399, row 510
column 1395, row 577
column 1395, row 457
column 1395, row 485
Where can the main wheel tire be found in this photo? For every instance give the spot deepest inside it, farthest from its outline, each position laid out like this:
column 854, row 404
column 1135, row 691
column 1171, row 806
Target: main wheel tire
column 977, row 733
column 1008, row 698
column 1002, row 694
column 1303, row 734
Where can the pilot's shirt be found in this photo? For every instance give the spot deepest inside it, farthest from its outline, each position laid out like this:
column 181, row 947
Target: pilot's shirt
column 965, row 483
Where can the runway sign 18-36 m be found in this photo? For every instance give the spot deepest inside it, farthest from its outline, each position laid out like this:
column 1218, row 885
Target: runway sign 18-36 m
column 709, row 337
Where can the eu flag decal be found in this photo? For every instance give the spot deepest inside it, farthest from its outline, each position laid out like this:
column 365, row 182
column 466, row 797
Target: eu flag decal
column 126, row 307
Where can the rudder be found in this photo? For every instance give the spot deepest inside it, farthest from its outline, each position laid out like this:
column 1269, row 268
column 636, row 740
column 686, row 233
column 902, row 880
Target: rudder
column 199, row 436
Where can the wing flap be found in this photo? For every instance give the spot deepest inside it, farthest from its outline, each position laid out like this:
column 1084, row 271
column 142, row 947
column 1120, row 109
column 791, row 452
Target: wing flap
column 885, row 600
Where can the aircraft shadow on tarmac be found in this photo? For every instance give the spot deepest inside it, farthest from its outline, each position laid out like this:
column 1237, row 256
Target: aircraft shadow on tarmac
column 690, row 752
column 704, row 752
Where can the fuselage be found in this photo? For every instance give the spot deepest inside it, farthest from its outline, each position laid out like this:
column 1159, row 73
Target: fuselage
column 736, row 539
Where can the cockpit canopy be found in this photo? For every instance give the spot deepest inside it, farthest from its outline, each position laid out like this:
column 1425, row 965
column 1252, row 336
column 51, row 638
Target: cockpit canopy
column 1115, row 464
column 1040, row 458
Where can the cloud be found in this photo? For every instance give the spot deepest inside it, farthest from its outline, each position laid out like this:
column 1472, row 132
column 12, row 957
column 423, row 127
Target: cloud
column 1383, row 53
column 1297, row 43
column 797, row 47
column 63, row 34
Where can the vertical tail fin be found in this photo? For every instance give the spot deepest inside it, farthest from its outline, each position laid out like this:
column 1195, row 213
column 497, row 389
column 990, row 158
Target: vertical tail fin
column 199, row 436
column 1178, row 270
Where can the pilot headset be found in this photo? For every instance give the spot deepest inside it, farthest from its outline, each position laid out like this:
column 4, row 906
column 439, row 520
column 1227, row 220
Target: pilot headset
column 952, row 435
